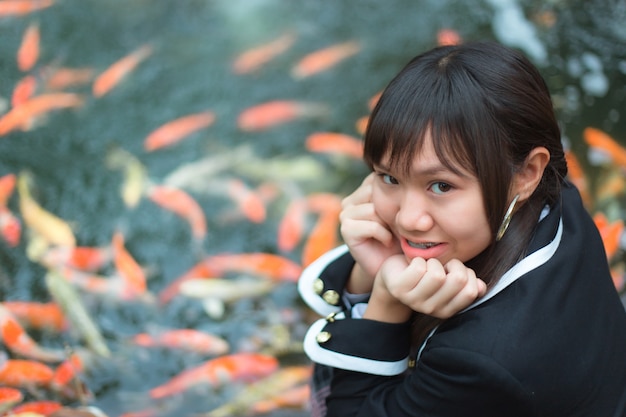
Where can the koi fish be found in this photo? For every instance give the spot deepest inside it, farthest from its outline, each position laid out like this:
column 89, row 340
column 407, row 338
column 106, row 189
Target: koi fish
column 577, row 176
column 24, row 90
column 199, row 270
column 254, row 58
column 448, row 36
column 273, row 113
column 263, row 390
column 127, row 267
column 24, row 373
column 52, row 228
column 324, row 203
column 611, row 233
column 22, row 116
column 324, row 59
column 66, row 380
column 15, row 338
column 113, row 286
column 611, row 186
column 28, row 51
column 185, row 339
column 37, row 315
column 36, row 408
column 322, row 238
column 216, row 372
column 69, row 301
column 113, row 75
column 135, row 175
column 84, row 258
column 23, row 7
column 225, row 290
column 600, row 141
column 10, row 227
column 62, row 78
column 361, row 124
column 9, row 397
column 250, row 203
column 292, row 225
column 183, row 205
column 296, row 397
column 335, row 143
column 176, row 130
column 274, row 267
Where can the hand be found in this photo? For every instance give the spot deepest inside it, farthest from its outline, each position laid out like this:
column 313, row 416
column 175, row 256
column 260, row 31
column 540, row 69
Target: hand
column 428, row 287
column 370, row 241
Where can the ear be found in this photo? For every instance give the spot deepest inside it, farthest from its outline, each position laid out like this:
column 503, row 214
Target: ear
column 526, row 180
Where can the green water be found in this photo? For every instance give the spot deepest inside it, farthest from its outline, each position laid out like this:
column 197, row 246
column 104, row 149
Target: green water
column 579, row 45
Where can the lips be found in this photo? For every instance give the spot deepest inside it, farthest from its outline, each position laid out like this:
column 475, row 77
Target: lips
column 423, row 249
column 421, row 245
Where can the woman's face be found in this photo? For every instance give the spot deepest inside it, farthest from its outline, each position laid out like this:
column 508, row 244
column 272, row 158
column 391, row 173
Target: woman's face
column 433, row 211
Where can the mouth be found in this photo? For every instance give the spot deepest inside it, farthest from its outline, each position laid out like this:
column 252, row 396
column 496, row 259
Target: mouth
column 422, row 245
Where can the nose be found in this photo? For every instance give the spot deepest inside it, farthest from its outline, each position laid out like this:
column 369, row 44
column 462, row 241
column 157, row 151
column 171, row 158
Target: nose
column 414, row 213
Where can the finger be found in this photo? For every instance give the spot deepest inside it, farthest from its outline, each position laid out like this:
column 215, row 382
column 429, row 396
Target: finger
column 433, row 278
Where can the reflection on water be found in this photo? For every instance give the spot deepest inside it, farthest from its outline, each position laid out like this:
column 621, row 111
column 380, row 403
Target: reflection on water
column 90, row 168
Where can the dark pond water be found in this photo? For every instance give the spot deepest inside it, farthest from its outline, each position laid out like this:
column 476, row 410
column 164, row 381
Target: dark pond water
column 580, row 46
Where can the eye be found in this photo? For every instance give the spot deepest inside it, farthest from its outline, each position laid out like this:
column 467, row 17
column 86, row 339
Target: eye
column 388, row 179
column 441, row 187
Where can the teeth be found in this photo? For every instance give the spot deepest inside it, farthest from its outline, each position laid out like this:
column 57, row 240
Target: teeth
column 422, row 245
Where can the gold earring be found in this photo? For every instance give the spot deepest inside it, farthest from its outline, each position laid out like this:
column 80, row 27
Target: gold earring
column 507, row 219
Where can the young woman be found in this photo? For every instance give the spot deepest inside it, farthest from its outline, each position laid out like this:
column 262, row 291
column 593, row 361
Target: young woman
column 472, row 281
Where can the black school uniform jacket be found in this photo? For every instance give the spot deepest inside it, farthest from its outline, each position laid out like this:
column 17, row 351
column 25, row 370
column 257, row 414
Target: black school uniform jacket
column 548, row 340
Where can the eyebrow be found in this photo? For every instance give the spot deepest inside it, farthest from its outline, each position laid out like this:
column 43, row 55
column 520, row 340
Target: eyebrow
column 427, row 171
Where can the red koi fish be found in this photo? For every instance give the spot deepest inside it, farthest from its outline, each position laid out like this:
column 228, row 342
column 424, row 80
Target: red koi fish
column 447, row 36
column 114, row 286
column 22, row 7
column 113, row 75
column 62, row 78
column 36, row 315
column 250, row 203
column 183, row 205
column 297, row 397
column 127, row 267
column 322, row 238
column 28, row 52
column 292, row 225
column 324, row 59
column 273, row 113
column 24, row 90
column 84, row 258
column 219, row 371
column 67, row 381
column 22, row 116
column 36, row 408
column 24, row 373
column 199, row 270
column 15, row 338
column 602, row 142
column 10, row 227
column 254, row 58
column 335, row 143
column 185, row 339
column 176, row 130
column 9, row 397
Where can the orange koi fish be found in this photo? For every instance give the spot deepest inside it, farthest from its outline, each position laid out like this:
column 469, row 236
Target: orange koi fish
column 322, row 238
column 96, row 284
column 296, row 397
column 324, row 203
column 22, row 116
column 24, row 373
column 66, row 380
column 52, row 228
column 611, row 233
column 84, row 258
column 448, row 36
column 185, row 339
column 602, row 142
column 216, row 372
column 36, row 408
column 250, row 203
column 113, row 75
column 577, row 176
column 62, row 78
column 199, row 270
column 24, row 90
column 254, row 58
column 182, row 204
column 611, row 186
column 22, row 7
column 324, row 59
column 10, row 227
column 28, row 52
column 15, row 338
column 37, row 315
column 361, row 124
column 292, row 225
column 273, row 113
column 335, row 143
column 129, row 270
column 9, row 397
column 176, row 130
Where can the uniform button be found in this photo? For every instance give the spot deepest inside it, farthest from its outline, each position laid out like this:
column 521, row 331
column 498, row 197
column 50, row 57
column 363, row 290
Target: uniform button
column 322, row 337
column 331, row 297
column 318, row 286
column 331, row 317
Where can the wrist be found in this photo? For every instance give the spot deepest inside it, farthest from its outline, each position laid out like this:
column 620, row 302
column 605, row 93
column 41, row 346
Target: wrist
column 359, row 282
column 382, row 306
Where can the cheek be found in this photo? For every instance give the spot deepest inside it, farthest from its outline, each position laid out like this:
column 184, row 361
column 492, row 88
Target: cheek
column 384, row 205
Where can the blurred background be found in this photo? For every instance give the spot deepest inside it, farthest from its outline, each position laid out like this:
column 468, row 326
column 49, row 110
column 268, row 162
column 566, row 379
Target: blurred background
column 134, row 130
